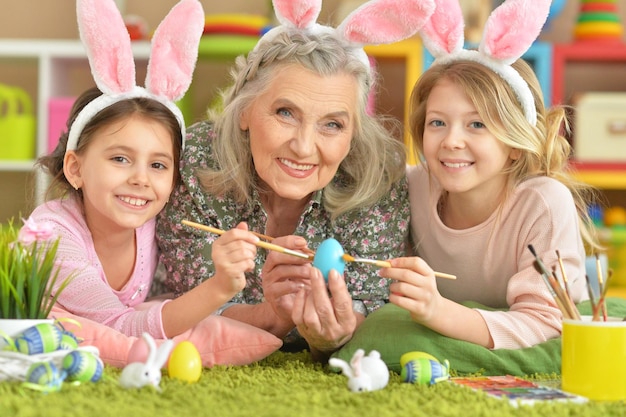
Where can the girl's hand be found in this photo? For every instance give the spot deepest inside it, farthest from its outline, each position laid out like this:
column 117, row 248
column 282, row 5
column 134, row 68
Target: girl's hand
column 233, row 255
column 414, row 289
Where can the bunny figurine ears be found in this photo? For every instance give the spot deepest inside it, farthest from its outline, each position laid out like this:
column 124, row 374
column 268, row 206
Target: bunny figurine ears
column 173, row 56
column 509, row 31
column 375, row 22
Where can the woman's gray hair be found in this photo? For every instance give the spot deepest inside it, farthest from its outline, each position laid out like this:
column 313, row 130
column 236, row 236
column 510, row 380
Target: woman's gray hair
column 376, row 158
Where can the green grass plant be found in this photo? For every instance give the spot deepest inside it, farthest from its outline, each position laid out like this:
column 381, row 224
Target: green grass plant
column 27, row 275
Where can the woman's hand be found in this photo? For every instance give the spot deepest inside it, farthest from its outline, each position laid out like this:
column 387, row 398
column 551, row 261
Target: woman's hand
column 284, row 275
column 415, row 288
column 233, row 255
column 325, row 321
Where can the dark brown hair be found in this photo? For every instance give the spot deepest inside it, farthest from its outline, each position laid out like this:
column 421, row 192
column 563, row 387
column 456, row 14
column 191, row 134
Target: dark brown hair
column 146, row 107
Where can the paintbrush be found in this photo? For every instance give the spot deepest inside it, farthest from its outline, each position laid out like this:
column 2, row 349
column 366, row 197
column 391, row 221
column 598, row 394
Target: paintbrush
column 309, row 256
column 260, row 244
column 601, row 286
column 563, row 274
column 601, row 301
column 592, row 300
column 547, row 278
column 386, row 264
column 565, row 298
column 566, row 285
column 539, row 266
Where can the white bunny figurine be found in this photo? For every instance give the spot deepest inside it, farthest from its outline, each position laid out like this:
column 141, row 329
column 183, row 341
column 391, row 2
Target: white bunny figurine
column 138, row 374
column 365, row 373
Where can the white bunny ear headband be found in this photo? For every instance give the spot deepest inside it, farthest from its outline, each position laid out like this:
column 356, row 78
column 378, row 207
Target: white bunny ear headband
column 375, row 22
column 509, row 31
column 173, row 56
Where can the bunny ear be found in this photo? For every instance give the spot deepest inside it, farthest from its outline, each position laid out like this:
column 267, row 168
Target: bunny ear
column 151, row 347
column 385, row 21
column 355, row 362
column 298, row 13
column 512, row 28
column 107, row 41
column 341, row 364
column 443, row 33
column 162, row 354
column 175, row 50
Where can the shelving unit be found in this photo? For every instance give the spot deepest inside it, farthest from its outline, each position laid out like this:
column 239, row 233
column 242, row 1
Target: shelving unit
column 55, row 62
column 570, row 57
column 606, row 179
column 409, row 51
column 58, row 61
column 608, row 59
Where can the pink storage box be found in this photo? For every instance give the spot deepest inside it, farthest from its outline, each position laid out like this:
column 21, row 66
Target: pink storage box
column 58, row 112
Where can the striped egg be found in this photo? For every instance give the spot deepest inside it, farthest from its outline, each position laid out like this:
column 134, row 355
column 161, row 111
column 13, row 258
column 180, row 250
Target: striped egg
column 68, row 341
column 83, row 366
column 425, row 371
column 45, row 374
column 41, row 338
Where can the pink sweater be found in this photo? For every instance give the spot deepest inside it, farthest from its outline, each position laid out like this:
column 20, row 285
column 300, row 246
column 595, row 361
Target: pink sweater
column 89, row 294
column 492, row 261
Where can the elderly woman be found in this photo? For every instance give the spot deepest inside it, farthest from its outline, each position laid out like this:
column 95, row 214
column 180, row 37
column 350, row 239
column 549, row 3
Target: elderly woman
column 294, row 155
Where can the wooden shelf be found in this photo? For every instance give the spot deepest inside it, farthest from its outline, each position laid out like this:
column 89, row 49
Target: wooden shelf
column 604, row 176
column 410, row 51
column 564, row 55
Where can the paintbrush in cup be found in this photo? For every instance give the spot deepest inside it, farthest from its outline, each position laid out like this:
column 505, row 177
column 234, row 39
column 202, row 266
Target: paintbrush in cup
column 601, row 301
column 601, row 286
column 552, row 284
column 563, row 274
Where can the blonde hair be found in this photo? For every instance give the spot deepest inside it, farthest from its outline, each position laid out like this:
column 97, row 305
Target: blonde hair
column 376, row 158
column 544, row 151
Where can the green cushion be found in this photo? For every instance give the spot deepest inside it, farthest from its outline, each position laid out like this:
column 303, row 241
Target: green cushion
column 391, row 331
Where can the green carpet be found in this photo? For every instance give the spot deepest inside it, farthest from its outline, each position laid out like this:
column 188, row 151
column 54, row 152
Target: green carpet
column 284, row 384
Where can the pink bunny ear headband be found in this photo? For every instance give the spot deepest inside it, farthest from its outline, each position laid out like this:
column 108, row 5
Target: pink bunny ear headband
column 509, row 31
column 375, row 22
column 173, row 56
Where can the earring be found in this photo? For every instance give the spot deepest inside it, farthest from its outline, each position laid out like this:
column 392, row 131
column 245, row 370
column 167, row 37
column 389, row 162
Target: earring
column 75, row 186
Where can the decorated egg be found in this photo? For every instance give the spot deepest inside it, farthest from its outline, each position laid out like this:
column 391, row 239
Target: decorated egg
column 425, row 371
column 185, row 362
column 329, row 255
column 44, row 376
column 83, row 366
column 415, row 355
column 68, row 341
column 40, row 338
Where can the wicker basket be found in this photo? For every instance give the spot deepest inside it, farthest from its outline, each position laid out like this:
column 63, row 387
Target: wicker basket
column 14, row 365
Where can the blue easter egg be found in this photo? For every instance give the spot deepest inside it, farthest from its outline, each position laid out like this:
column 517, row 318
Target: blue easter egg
column 83, row 366
column 329, row 255
column 425, row 371
column 45, row 374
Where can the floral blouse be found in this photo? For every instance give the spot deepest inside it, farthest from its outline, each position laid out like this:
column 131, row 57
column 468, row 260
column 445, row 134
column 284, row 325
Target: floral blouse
column 378, row 232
